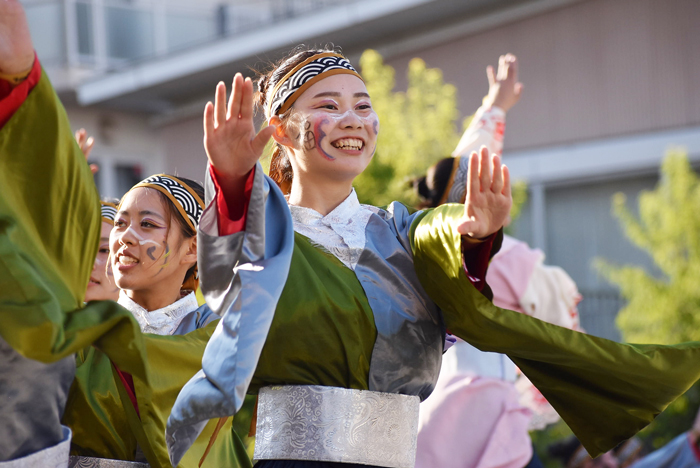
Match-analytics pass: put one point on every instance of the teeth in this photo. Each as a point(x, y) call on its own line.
point(349, 143)
point(124, 260)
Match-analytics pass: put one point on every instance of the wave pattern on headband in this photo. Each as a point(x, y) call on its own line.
point(108, 211)
point(183, 197)
point(303, 76)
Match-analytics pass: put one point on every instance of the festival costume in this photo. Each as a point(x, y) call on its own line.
point(481, 410)
point(679, 453)
point(117, 418)
point(50, 215)
point(50, 218)
point(298, 326)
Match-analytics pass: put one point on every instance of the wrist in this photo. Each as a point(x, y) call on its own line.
point(17, 73)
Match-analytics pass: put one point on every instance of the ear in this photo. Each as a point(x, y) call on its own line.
point(190, 256)
point(280, 134)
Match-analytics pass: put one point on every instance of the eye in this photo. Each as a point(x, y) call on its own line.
point(119, 223)
point(364, 106)
point(148, 224)
point(103, 250)
point(328, 106)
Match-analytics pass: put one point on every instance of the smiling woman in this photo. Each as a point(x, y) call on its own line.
point(334, 313)
point(152, 250)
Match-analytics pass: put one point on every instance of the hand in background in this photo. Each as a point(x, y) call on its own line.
point(489, 199)
point(504, 87)
point(86, 143)
point(16, 49)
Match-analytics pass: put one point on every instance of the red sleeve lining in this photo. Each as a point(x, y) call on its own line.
point(12, 98)
point(232, 208)
point(695, 446)
point(128, 382)
point(476, 261)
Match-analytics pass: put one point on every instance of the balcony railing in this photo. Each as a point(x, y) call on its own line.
point(108, 34)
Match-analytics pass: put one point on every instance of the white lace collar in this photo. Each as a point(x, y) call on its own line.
point(341, 232)
point(162, 321)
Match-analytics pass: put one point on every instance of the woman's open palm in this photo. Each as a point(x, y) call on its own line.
point(488, 201)
point(230, 140)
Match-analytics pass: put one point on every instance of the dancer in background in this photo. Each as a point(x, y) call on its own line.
point(323, 299)
point(102, 286)
point(476, 416)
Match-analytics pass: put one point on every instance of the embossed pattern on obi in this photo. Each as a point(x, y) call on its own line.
point(90, 462)
point(312, 422)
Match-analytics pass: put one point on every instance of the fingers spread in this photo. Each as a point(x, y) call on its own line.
point(506, 180)
point(208, 120)
point(490, 75)
point(473, 177)
point(234, 104)
point(220, 104)
point(484, 174)
point(497, 182)
point(247, 99)
point(261, 139)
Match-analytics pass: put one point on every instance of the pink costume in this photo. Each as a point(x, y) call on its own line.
point(480, 412)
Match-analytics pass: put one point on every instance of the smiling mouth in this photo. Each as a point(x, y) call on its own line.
point(354, 144)
point(126, 260)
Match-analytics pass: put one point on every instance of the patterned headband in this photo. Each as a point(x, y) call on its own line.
point(301, 77)
point(109, 212)
point(182, 196)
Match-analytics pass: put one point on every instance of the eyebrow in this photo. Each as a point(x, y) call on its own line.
point(336, 94)
point(142, 213)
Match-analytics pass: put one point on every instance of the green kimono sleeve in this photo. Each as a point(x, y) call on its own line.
point(49, 232)
point(106, 425)
point(605, 391)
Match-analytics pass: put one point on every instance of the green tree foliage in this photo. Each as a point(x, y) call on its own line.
point(417, 128)
point(664, 309)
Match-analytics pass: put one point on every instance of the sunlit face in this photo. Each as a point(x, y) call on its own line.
point(146, 247)
point(101, 286)
point(333, 128)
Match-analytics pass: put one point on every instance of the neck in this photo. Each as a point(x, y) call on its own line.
point(321, 196)
point(154, 299)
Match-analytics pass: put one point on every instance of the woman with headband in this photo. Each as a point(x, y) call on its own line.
point(335, 313)
point(101, 286)
point(153, 253)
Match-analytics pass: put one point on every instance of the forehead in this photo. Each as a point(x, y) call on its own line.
point(344, 84)
point(106, 229)
point(142, 199)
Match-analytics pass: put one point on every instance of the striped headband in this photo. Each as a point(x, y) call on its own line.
point(180, 194)
point(108, 211)
point(301, 77)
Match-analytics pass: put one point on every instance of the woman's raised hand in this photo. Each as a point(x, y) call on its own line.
point(504, 88)
point(16, 49)
point(86, 143)
point(488, 201)
point(230, 140)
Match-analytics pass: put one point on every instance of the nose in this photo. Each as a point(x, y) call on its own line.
point(127, 236)
point(351, 120)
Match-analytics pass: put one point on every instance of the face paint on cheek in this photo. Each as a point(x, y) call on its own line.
point(149, 252)
point(165, 258)
point(320, 135)
point(309, 137)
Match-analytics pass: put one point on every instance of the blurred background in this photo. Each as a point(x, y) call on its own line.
point(610, 85)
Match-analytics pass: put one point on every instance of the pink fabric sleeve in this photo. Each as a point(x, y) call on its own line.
point(11, 98)
point(232, 208)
